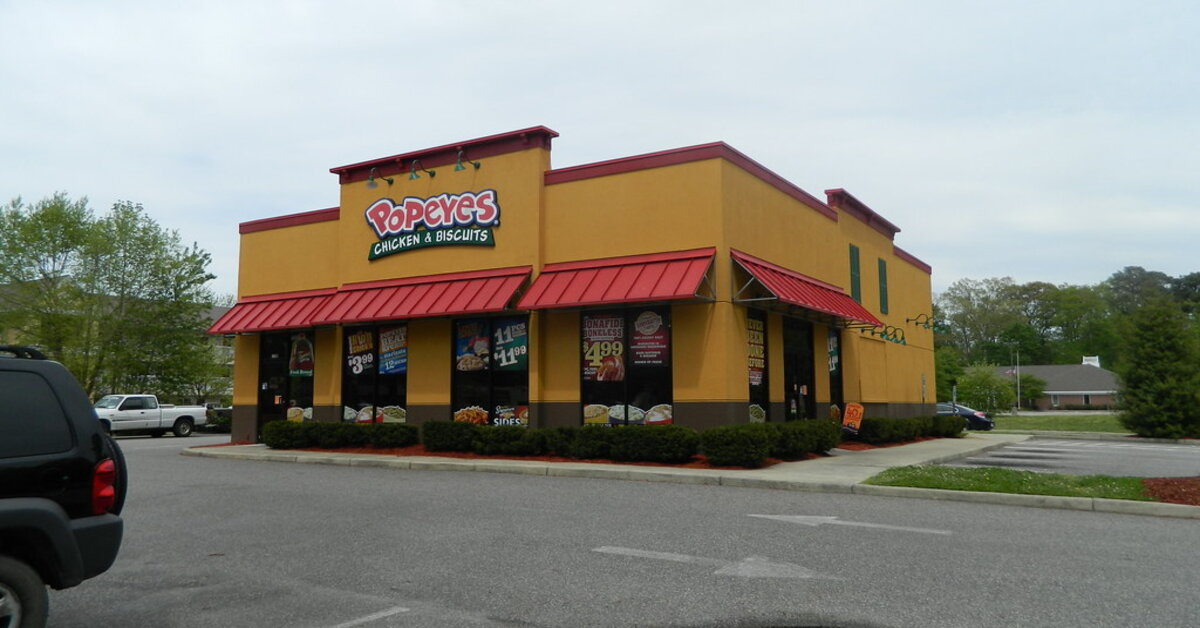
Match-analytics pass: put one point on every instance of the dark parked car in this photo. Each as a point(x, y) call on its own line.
point(62, 486)
point(975, 419)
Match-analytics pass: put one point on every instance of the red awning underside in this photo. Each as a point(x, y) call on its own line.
point(638, 278)
point(293, 310)
point(801, 291)
point(479, 292)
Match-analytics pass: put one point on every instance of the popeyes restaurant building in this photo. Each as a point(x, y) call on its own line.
point(475, 282)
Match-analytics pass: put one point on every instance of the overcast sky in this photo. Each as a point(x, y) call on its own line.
point(1043, 140)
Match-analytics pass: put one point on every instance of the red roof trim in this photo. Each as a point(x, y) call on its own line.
point(911, 259)
point(291, 220)
point(701, 152)
point(271, 312)
point(829, 300)
point(412, 281)
point(845, 201)
point(476, 149)
point(617, 280)
point(645, 258)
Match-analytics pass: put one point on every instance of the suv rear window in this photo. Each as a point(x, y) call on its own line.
point(31, 420)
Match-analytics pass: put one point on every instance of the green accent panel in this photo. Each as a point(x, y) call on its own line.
point(855, 275)
point(883, 295)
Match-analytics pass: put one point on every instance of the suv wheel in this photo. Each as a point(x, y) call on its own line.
point(23, 599)
point(183, 427)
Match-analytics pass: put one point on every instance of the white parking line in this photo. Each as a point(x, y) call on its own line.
point(395, 610)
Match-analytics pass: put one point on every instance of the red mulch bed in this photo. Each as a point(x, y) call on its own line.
point(1174, 490)
point(698, 462)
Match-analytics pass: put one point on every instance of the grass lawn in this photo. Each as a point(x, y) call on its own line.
point(1061, 422)
point(1009, 481)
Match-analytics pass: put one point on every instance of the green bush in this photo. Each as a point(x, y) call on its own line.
point(948, 426)
point(590, 442)
point(509, 440)
point(391, 435)
point(448, 436)
point(654, 443)
point(796, 439)
point(740, 445)
point(285, 435)
point(559, 439)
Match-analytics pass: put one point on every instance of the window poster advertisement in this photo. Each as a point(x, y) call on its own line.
point(511, 415)
point(393, 349)
point(300, 362)
point(756, 355)
point(472, 351)
point(834, 358)
point(649, 344)
point(510, 337)
point(604, 347)
point(360, 352)
point(757, 349)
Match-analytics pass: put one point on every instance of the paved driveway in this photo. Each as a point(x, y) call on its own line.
point(1087, 457)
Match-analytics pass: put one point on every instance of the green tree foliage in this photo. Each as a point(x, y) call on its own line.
point(116, 298)
point(982, 388)
point(1160, 378)
point(949, 369)
point(1031, 389)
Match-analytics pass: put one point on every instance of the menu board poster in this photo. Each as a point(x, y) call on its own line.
point(649, 342)
point(510, 343)
point(756, 349)
point(300, 361)
point(472, 351)
point(393, 349)
point(360, 351)
point(834, 353)
point(604, 347)
point(511, 415)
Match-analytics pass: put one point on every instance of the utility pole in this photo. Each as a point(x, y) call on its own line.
point(1018, 381)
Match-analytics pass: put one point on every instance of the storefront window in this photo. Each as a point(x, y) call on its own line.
point(375, 374)
point(756, 349)
point(491, 371)
point(626, 367)
point(286, 376)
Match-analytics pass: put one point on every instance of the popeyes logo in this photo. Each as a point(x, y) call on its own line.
point(445, 219)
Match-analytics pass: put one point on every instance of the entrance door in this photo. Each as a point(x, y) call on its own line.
point(272, 378)
point(834, 347)
point(799, 380)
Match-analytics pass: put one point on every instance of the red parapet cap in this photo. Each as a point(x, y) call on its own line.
point(474, 150)
point(845, 201)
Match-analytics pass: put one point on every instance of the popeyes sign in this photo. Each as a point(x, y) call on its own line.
point(442, 220)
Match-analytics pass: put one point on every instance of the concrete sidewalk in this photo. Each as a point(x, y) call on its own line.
point(842, 472)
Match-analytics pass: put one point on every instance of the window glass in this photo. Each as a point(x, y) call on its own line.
point(375, 374)
point(855, 275)
point(491, 371)
point(626, 366)
point(756, 352)
point(883, 288)
point(31, 420)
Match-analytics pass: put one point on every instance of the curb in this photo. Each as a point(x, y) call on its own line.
point(748, 479)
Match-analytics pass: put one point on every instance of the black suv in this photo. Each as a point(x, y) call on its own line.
point(62, 486)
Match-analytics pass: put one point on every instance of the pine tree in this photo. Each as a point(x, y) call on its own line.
point(1160, 378)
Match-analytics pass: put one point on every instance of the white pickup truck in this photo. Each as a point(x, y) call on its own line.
point(143, 413)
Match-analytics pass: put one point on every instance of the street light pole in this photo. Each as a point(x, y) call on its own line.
point(1018, 381)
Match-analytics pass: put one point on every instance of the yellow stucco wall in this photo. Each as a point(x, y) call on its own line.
point(707, 203)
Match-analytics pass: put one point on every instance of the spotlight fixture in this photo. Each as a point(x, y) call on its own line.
point(459, 165)
point(373, 175)
point(922, 320)
point(416, 165)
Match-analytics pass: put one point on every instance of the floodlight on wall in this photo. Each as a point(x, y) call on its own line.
point(373, 175)
point(922, 320)
point(416, 165)
point(459, 164)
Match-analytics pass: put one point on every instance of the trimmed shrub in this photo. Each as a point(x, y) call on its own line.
point(448, 436)
point(948, 426)
point(391, 435)
point(654, 443)
point(284, 435)
point(741, 445)
point(559, 440)
point(335, 435)
point(797, 439)
point(508, 440)
point(591, 441)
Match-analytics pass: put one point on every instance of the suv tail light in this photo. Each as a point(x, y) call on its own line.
point(104, 493)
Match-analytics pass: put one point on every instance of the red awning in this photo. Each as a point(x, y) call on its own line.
point(478, 292)
point(291, 310)
point(637, 278)
point(802, 291)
